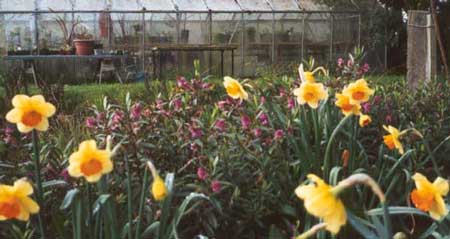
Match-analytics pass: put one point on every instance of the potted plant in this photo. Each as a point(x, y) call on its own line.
point(68, 34)
point(84, 42)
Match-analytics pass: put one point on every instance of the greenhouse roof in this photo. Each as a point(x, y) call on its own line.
point(163, 5)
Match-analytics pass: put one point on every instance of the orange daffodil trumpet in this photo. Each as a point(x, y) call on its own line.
point(392, 140)
point(428, 196)
point(234, 89)
point(15, 202)
point(30, 113)
point(322, 200)
point(159, 189)
point(364, 120)
point(90, 162)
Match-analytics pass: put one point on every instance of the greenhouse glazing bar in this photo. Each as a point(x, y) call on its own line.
point(273, 48)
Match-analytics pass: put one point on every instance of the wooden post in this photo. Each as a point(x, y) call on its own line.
point(421, 55)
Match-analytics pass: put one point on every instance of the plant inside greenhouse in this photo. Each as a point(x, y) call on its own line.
point(258, 119)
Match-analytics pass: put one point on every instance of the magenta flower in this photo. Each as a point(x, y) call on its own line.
point(177, 104)
point(135, 111)
point(365, 68)
point(195, 132)
point(201, 173)
point(257, 132)
point(101, 116)
point(222, 104)
point(91, 122)
point(245, 121)
point(366, 107)
point(377, 100)
point(340, 62)
point(279, 134)
point(282, 92)
point(263, 99)
point(216, 186)
point(264, 119)
point(290, 103)
point(349, 63)
point(182, 83)
point(159, 104)
point(388, 118)
point(194, 147)
point(65, 175)
point(220, 124)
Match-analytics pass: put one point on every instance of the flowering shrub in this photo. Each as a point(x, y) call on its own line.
point(271, 158)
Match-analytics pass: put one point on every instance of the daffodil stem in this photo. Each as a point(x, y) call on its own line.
point(327, 159)
point(37, 168)
point(129, 197)
point(141, 204)
point(312, 231)
point(315, 119)
point(89, 201)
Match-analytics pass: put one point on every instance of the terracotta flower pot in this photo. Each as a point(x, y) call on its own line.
point(84, 47)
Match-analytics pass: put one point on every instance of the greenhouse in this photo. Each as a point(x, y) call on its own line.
point(236, 37)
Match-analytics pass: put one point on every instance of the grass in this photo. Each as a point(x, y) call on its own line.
point(77, 97)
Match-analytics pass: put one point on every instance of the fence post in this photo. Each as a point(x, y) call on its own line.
point(421, 53)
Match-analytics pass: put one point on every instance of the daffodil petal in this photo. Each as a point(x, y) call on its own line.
point(43, 125)
point(20, 100)
point(14, 116)
point(22, 188)
point(23, 128)
point(441, 186)
point(29, 205)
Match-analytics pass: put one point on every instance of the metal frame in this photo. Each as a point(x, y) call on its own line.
point(305, 15)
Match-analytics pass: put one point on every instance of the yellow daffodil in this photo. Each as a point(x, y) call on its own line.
point(311, 94)
point(90, 162)
point(234, 88)
point(309, 77)
point(159, 189)
point(392, 140)
point(320, 201)
point(428, 196)
point(343, 102)
point(359, 92)
point(30, 113)
point(364, 120)
point(15, 202)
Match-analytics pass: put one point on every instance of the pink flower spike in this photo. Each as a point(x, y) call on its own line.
point(216, 186)
point(201, 173)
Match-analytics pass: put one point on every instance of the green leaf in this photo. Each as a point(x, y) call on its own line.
point(100, 202)
point(151, 230)
point(361, 226)
point(69, 198)
point(53, 183)
point(396, 211)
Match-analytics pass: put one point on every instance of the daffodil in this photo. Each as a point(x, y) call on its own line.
point(30, 113)
point(308, 76)
point(234, 88)
point(311, 94)
point(90, 162)
point(428, 196)
point(15, 202)
point(321, 201)
point(343, 102)
point(358, 92)
point(392, 140)
point(159, 189)
point(364, 120)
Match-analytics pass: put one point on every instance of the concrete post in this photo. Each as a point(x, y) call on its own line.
point(421, 54)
